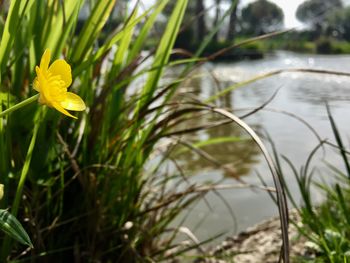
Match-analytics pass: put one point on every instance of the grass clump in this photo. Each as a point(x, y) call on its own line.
point(94, 189)
point(325, 225)
point(82, 188)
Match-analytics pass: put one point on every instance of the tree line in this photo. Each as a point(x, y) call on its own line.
point(323, 19)
point(320, 17)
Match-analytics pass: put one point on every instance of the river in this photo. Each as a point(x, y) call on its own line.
point(302, 94)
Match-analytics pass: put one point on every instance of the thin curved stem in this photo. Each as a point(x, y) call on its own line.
point(19, 105)
point(281, 198)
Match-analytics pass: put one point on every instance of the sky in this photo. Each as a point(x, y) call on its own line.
point(289, 8)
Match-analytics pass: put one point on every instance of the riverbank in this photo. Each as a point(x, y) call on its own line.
point(261, 243)
point(258, 49)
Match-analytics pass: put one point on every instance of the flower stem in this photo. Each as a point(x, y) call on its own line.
point(19, 105)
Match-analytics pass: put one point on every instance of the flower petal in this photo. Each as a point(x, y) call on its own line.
point(36, 84)
point(61, 68)
point(62, 110)
point(73, 102)
point(45, 60)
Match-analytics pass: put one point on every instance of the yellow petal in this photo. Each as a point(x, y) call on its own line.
point(45, 60)
point(1, 191)
point(36, 84)
point(61, 68)
point(62, 110)
point(73, 102)
point(45, 97)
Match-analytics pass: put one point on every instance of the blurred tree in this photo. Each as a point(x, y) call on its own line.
point(201, 28)
point(315, 12)
point(232, 22)
point(216, 18)
point(232, 19)
point(261, 17)
point(339, 23)
point(193, 28)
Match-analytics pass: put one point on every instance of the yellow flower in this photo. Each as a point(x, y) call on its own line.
point(1, 191)
point(52, 83)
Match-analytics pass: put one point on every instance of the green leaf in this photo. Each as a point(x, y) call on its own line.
point(12, 227)
point(18, 10)
point(112, 40)
point(92, 28)
point(164, 49)
point(123, 47)
point(65, 17)
point(140, 40)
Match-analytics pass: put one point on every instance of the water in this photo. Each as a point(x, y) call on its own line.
point(302, 94)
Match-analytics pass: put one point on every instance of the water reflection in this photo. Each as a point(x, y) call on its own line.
point(318, 89)
point(302, 94)
point(236, 157)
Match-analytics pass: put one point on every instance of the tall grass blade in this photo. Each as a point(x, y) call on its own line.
point(139, 42)
point(217, 27)
point(122, 51)
point(17, 12)
point(162, 55)
point(281, 198)
point(342, 203)
point(91, 29)
point(64, 20)
point(338, 140)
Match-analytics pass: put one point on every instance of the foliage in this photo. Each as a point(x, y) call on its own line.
point(94, 189)
point(338, 23)
point(231, 30)
point(315, 12)
point(323, 46)
point(261, 17)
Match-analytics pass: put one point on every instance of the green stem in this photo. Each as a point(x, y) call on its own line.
point(19, 105)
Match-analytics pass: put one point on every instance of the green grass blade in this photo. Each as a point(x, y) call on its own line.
point(64, 19)
point(339, 140)
point(164, 49)
point(123, 47)
point(17, 11)
point(217, 27)
point(139, 42)
point(91, 29)
point(109, 43)
point(342, 203)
